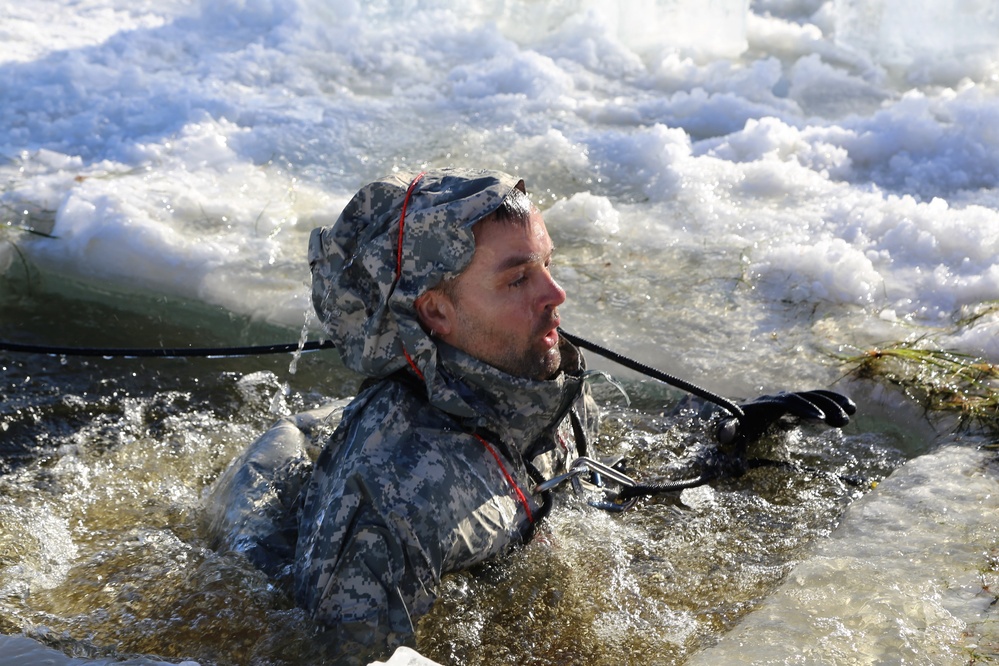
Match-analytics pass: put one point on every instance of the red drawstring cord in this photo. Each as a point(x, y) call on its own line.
point(509, 477)
point(412, 364)
point(402, 223)
point(398, 260)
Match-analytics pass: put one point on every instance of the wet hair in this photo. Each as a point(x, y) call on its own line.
point(516, 207)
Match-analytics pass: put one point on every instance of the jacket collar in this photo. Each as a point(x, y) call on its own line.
point(518, 410)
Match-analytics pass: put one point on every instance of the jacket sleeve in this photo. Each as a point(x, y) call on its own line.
point(249, 509)
point(364, 567)
point(365, 593)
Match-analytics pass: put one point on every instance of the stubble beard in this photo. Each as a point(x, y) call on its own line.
point(528, 362)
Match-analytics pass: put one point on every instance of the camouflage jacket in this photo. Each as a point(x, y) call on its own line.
point(408, 489)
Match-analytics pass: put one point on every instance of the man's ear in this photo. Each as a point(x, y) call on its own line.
point(436, 312)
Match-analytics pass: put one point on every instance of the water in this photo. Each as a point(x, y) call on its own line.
point(737, 206)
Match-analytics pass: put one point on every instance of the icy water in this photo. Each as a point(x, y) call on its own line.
point(739, 195)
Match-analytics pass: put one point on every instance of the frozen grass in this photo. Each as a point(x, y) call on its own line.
point(941, 381)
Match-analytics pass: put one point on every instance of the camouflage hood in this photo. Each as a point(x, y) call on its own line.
point(396, 238)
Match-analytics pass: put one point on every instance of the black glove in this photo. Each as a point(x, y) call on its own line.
point(829, 407)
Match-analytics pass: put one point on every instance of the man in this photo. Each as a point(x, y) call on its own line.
point(437, 288)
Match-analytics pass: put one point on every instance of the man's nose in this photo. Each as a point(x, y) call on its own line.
point(554, 293)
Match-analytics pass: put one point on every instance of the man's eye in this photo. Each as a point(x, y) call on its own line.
point(519, 281)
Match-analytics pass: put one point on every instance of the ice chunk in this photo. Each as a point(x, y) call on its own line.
point(901, 32)
point(405, 656)
point(706, 27)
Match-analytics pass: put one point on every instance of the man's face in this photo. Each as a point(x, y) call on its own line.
point(505, 303)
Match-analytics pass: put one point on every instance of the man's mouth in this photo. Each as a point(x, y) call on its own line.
point(551, 334)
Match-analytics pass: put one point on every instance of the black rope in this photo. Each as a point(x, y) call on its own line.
point(655, 373)
point(256, 350)
point(166, 352)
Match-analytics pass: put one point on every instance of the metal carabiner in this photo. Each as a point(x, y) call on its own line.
point(601, 471)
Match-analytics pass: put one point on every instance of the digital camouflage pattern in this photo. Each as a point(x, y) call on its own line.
point(404, 493)
point(421, 476)
point(252, 505)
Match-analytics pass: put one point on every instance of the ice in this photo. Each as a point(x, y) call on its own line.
point(897, 582)
point(704, 27)
point(200, 173)
point(900, 32)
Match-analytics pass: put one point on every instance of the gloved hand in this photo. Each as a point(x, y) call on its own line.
point(759, 414)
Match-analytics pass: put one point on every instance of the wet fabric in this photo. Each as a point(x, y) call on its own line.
point(253, 508)
point(404, 492)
